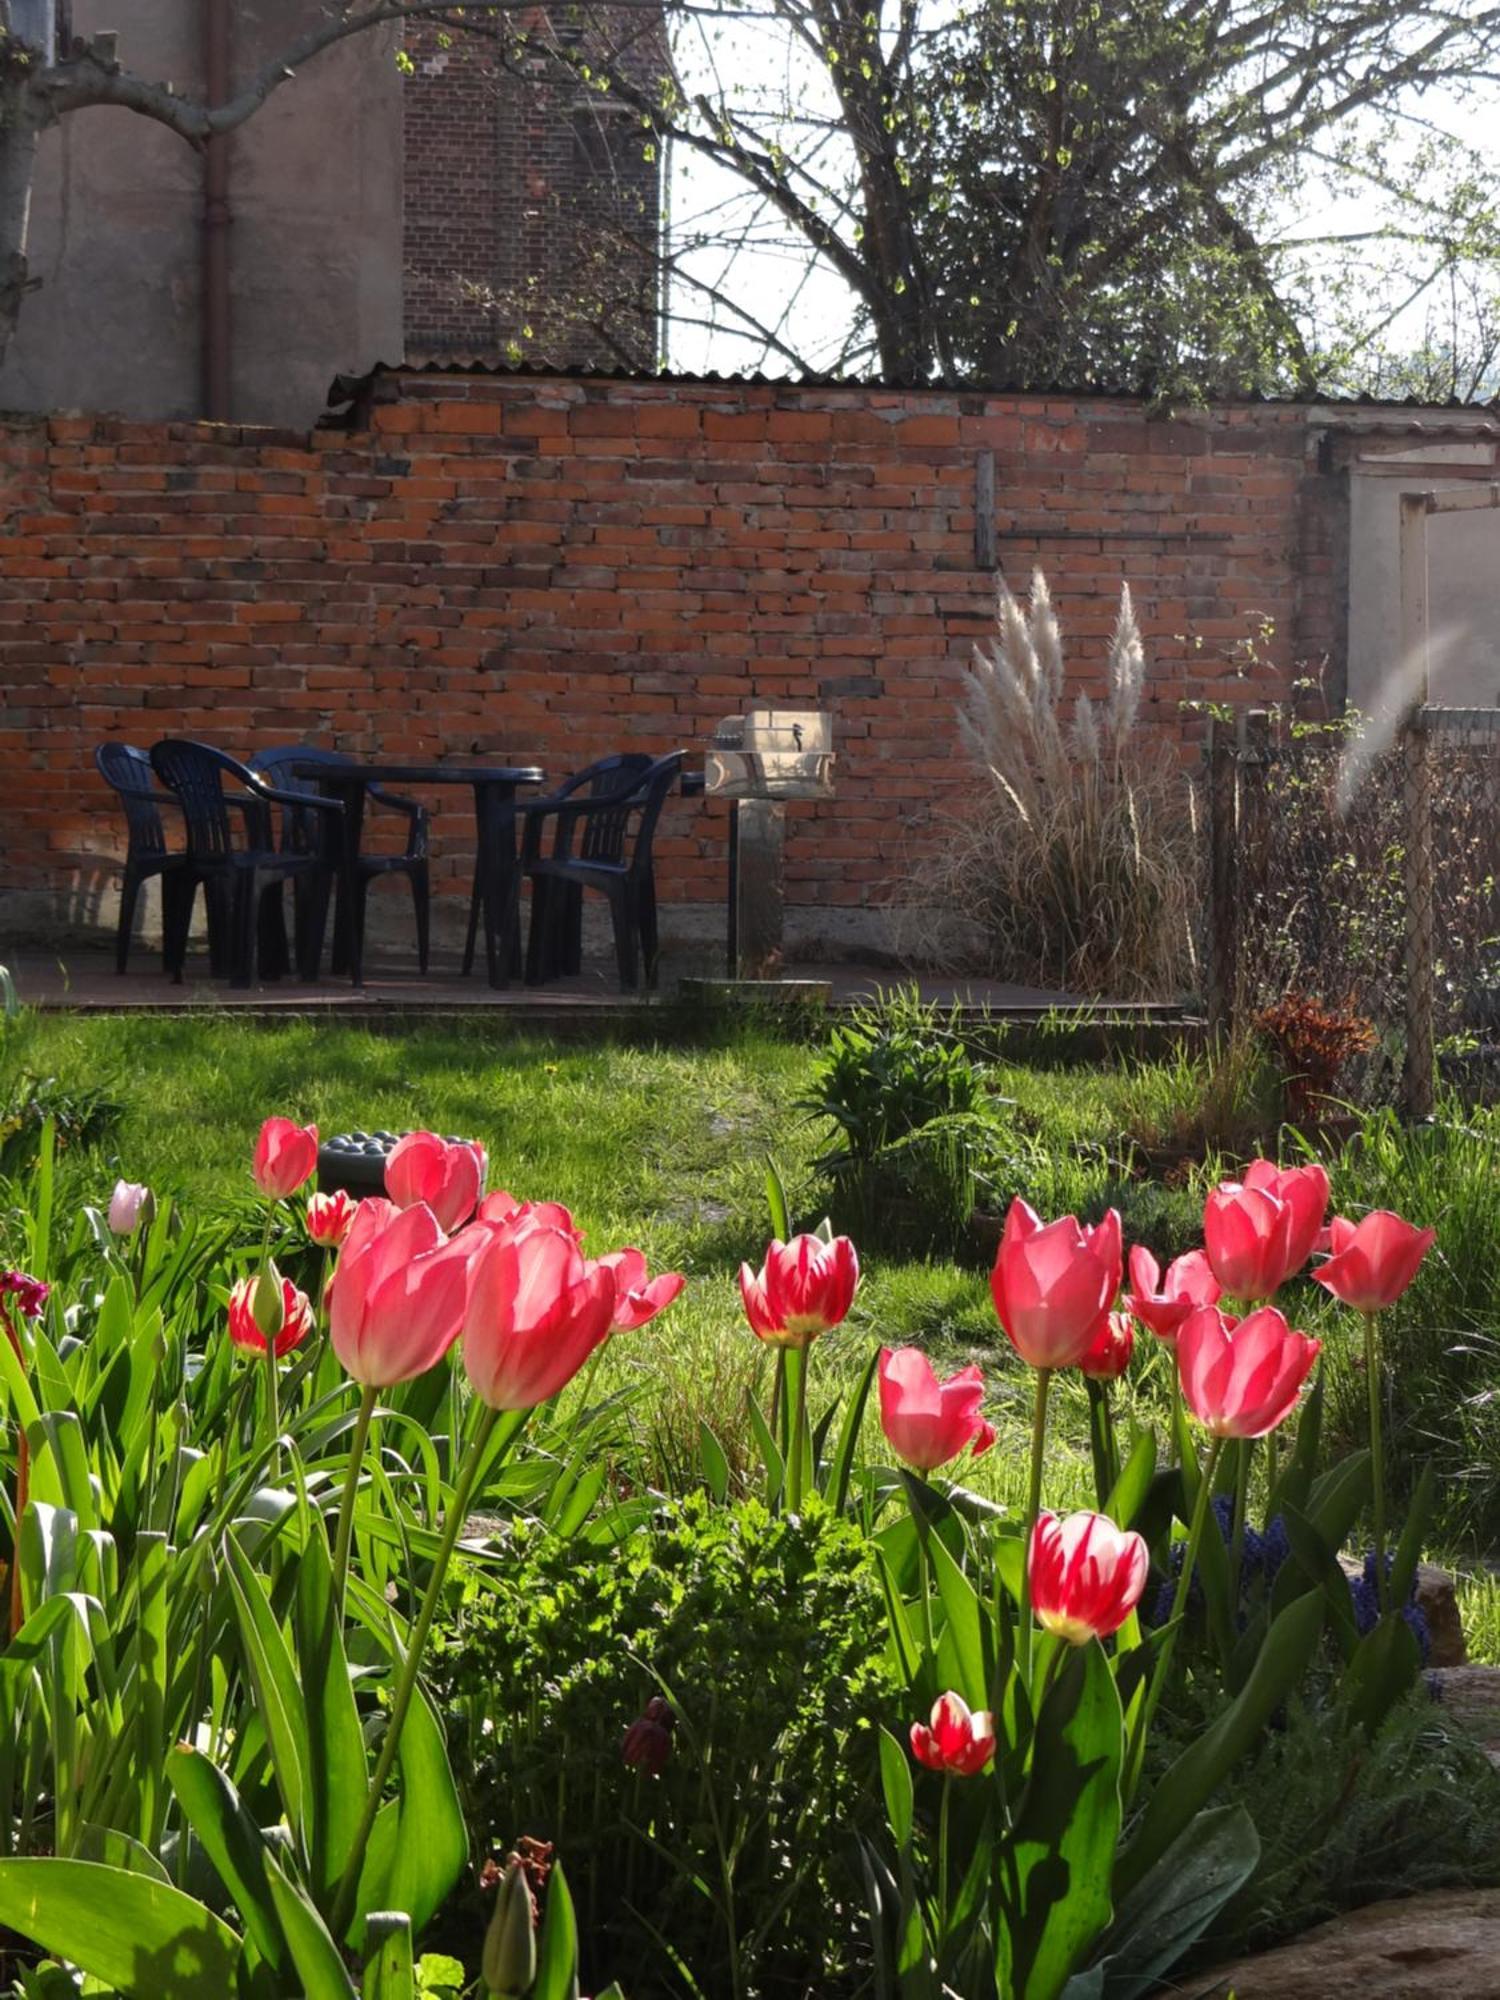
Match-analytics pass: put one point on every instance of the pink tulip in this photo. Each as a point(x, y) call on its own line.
point(1304, 1190)
point(959, 1741)
point(1241, 1379)
point(449, 1178)
point(1373, 1261)
point(329, 1217)
point(397, 1296)
point(803, 1288)
point(286, 1155)
point(1109, 1357)
point(927, 1422)
point(1086, 1575)
point(1163, 1303)
point(1247, 1234)
point(129, 1202)
point(1053, 1284)
point(638, 1298)
point(244, 1328)
point(536, 1313)
point(501, 1207)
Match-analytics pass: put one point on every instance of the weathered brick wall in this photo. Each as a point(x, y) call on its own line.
point(533, 206)
point(507, 566)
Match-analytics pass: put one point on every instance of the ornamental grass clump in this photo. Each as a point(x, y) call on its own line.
point(1073, 864)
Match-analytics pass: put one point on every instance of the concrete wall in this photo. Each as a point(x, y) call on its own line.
point(1463, 569)
point(315, 241)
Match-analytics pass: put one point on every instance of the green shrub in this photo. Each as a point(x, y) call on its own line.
point(767, 1637)
point(911, 1111)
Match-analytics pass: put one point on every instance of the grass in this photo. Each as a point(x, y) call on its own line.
point(666, 1147)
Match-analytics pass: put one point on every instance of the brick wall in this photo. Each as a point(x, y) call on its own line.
point(509, 565)
point(533, 205)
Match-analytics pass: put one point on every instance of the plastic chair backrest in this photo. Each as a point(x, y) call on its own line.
point(128, 772)
point(301, 832)
point(196, 772)
point(604, 834)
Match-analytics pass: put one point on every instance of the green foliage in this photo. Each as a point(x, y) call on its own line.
point(898, 1084)
point(1345, 1821)
point(766, 1636)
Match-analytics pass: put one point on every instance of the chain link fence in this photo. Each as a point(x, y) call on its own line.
point(1366, 877)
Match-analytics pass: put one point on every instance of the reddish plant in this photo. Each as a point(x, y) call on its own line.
point(1313, 1045)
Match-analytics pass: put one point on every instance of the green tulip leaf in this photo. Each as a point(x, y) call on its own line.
point(1128, 1494)
point(840, 1467)
point(1201, 1769)
point(557, 1946)
point(1159, 1922)
point(278, 1693)
point(337, 1771)
point(233, 1843)
point(896, 1783)
point(431, 1842)
point(144, 1938)
point(1055, 1893)
point(715, 1464)
point(390, 1969)
point(1385, 1666)
point(321, 1973)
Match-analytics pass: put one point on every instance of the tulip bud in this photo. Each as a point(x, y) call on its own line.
point(130, 1204)
point(266, 1307)
point(508, 1964)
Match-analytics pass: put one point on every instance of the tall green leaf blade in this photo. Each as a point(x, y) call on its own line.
point(432, 1840)
point(390, 1970)
point(321, 1974)
point(233, 1843)
point(337, 1770)
point(896, 1783)
point(964, 1624)
point(715, 1464)
point(144, 1938)
point(277, 1693)
point(1210, 1861)
point(842, 1464)
point(557, 1947)
point(1057, 1894)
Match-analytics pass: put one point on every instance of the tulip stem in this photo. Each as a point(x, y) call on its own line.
point(1179, 1603)
point(796, 1472)
point(1237, 1534)
point(263, 1276)
point(367, 1401)
point(458, 1508)
point(1102, 1442)
point(1377, 1455)
point(1033, 1508)
point(942, 1910)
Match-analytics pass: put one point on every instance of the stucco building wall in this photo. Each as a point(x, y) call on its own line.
point(316, 255)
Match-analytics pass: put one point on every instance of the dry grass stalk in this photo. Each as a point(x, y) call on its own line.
point(1074, 865)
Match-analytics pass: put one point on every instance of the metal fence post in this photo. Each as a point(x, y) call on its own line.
point(1419, 1067)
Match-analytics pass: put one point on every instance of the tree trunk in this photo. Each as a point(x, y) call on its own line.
point(20, 124)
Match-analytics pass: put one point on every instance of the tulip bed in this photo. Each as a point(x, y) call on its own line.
point(383, 1622)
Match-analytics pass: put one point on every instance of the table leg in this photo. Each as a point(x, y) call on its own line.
point(349, 915)
point(495, 869)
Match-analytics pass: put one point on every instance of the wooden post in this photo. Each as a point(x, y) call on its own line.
point(1418, 1068)
point(1223, 929)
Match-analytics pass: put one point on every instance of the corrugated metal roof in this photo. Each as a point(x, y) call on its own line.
point(351, 389)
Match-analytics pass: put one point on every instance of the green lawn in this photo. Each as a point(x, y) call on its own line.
point(666, 1147)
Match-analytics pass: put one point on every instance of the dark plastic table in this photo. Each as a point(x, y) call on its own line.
point(494, 787)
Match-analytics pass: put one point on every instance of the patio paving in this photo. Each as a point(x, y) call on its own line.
point(83, 979)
